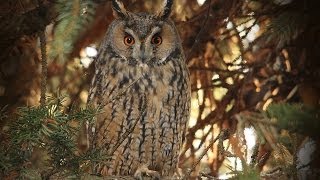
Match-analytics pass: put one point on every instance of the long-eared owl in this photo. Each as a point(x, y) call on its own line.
point(141, 84)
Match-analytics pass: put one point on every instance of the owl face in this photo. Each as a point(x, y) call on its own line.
point(143, 39)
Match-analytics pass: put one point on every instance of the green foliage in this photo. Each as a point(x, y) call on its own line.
point(286, 26)
point(73, 17)
point(250, 174)
point(42, 142)
point(296, 118)
point(286, 141)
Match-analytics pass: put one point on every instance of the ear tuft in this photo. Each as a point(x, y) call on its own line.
point(118, 9)
point(166, 10)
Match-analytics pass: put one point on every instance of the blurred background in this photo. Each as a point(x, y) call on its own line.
point(254, 68)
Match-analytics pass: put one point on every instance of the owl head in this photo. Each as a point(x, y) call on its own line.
point(141, 38)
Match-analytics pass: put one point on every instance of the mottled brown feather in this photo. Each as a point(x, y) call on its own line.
point(144, 94)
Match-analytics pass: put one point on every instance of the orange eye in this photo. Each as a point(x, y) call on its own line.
point(157, 40)
point(128, 40)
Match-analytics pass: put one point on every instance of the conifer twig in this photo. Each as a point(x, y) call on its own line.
point(44, 70)
point(44, 67)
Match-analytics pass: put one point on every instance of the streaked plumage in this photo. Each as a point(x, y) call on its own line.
point(143, 90)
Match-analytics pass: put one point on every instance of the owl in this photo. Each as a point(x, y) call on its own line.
point(141, 85)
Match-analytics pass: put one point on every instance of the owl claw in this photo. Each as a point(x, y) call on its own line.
point(144, 170)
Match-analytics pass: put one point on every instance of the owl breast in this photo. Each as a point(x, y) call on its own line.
point(144, 114)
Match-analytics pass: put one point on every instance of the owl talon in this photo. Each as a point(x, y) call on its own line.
point(144, 170)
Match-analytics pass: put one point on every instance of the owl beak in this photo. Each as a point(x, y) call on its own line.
point(143, 59)
point(143, 56)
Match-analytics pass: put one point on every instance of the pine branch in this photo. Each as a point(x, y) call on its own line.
point(48, 130)
point(44, 67)
point(286, 26)
point(72, 20)
point(296, 118)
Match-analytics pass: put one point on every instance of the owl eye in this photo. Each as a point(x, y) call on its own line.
point(156, 40)
point(128, 40)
